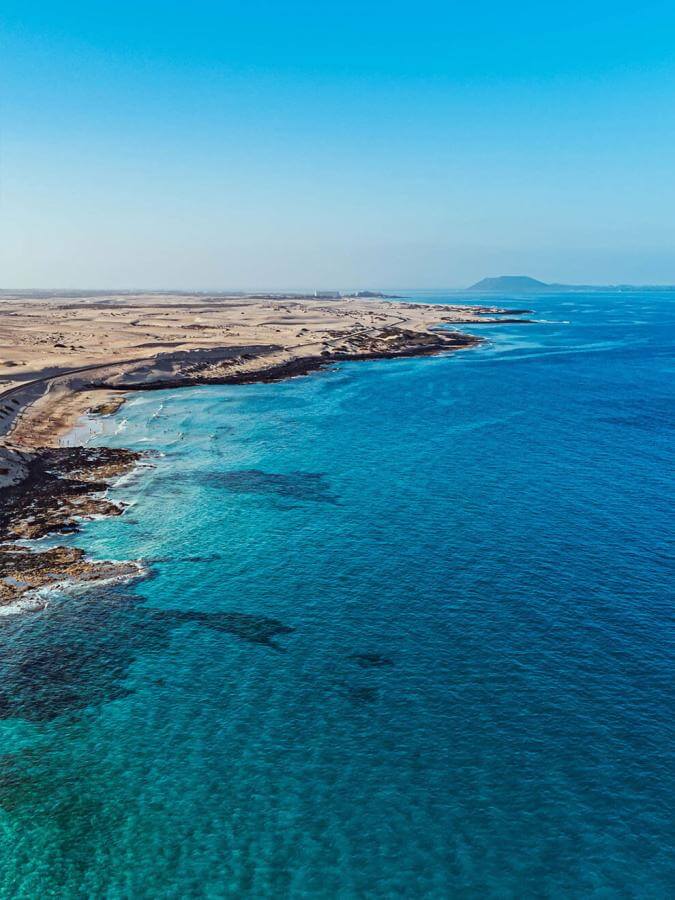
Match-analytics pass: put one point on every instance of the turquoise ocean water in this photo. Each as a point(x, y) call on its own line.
point(408, 633)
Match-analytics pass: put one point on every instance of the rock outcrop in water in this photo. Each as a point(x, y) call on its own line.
point(59, 488)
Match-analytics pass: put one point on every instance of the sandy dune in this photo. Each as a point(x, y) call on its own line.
point(58, 353)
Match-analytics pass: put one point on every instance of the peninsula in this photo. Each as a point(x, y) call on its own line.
point(63, 355)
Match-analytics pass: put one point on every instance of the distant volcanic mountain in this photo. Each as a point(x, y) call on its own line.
point(522, 284)
point(510, 283)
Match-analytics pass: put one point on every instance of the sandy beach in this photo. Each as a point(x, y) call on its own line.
point(60, 356)
point(63, 356)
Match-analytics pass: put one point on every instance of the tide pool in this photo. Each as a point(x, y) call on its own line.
point(408, 633)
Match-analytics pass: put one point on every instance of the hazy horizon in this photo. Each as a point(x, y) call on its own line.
point(306, 289)
point(275, 146)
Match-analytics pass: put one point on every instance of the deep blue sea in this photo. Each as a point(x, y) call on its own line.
point(408, 633)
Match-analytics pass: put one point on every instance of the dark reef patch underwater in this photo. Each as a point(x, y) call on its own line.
point(303, 486)
point(409, 634)
point(79, 651)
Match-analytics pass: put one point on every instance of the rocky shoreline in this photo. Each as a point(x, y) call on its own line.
point(62, 486)
point(195, 368)
point(56, 488)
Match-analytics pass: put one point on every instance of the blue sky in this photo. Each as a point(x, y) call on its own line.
point(258, 144)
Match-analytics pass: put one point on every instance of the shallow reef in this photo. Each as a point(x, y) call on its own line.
point(78, 653)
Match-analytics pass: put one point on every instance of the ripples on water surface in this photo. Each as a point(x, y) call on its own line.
point(408, 634)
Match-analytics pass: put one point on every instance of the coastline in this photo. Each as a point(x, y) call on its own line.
point(47, 488)
point(42, 417)
point(61, 488)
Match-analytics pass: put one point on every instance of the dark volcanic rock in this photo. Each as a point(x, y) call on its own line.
point(57, 491)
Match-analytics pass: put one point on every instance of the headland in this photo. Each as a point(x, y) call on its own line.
point(63, 355)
